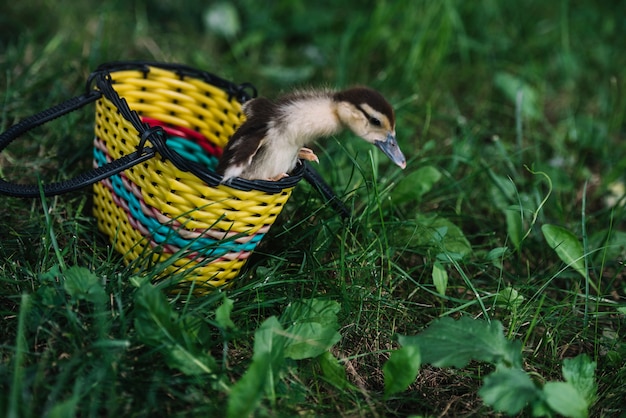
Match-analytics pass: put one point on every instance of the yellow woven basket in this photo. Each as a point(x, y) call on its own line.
point(172, 207)
point(159, 131)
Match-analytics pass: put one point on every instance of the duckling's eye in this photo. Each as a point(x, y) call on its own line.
point(374, 121)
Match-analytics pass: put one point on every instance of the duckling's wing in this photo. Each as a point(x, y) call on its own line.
point(257, 106)
point(247, 140)
point(240, 150)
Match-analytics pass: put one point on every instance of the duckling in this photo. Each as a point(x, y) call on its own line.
point(269, 144)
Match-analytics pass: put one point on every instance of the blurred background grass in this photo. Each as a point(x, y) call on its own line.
point(447, 66)
point(481, 90)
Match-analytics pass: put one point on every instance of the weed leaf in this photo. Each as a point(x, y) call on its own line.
point(580, 373)
point(401, 369)
point(415, 185)
point(222, 313)
point(155, 320)
point(509, 298)
point(448, 342)
point(65, 408)
point(82, 283)
point(518, 90)
point(442, 234)
point(159, 326)
point(249, 390)
point(264, 372)
point(270, 339)
point(312, 327)
point(502, 191)
point(509, 390)
point(496, 256)
point(514, 225)
point(332, 370)
point(503, 195)
point(566, 246)
point(190, 362)
point(222, 19)
point(440, 278)
point(565, 399)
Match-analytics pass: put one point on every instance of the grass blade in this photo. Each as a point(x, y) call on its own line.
point(15, 399)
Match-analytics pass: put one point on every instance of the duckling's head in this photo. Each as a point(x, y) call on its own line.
point(370, 116)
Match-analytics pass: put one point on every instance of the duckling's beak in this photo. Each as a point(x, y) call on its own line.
point(391, 149)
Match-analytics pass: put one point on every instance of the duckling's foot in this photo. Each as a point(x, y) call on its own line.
point(278, 177)
point(307, 154)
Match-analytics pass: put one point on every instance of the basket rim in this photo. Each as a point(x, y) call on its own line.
point(101, 77)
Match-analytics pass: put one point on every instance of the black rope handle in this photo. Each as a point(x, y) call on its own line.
point(46, 116)
point(82, 180)
point(314, 179)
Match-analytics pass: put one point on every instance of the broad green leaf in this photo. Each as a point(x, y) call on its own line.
point(222, 313)
point(51, 275)
point(540, 408)
point(155, 321)
point(514, 205)
point(159, 326)
point(502, 191)
point(264, 372)
point(189, 360)
point(270, 338)
point(82, 283)
point(139, 281)
point(565, 399)
point(401, 369)
point(49, 294)
point(222, 19)
point(497, 253)
point(566, 246)
point(514, 226)
point(520, 93)
point(580, 373)
point(66, 408)
point(415, 185)
point(509, 298)
point(332, 370)
point(509, 390)
point(448, 342)
point(442, 234)
point(440, 278)
point(496, 256)
point(612, 243)
point(246, 394)
point(431, 232)
point(312, 327)
point(622, 310)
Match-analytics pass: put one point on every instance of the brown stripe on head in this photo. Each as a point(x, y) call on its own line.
point(359, 96)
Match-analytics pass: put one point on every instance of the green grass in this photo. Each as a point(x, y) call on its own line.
point(511, 117)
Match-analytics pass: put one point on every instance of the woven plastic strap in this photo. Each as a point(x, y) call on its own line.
point(83, 180)
point(80, 181)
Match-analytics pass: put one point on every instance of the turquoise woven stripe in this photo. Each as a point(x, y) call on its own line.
point(192, 151)
point(166, 234)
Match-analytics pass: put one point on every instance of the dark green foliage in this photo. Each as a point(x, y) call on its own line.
point(511, 211)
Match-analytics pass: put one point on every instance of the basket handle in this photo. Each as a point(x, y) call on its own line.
point(317, 181)
point(80, 181)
